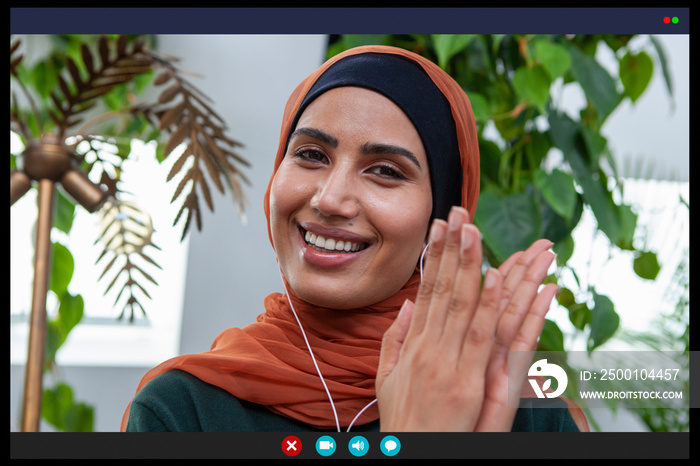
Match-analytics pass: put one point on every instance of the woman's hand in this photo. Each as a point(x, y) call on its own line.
point(443, 365)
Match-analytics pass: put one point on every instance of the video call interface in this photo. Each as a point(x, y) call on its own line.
point(333, 22)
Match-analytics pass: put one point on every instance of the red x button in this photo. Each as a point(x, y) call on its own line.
point(291, 446)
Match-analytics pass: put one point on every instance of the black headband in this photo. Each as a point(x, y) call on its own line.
point(406, 84)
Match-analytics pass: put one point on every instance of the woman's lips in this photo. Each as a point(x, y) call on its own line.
point(330, 247)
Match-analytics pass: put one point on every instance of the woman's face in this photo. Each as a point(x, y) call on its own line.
point(351, 201)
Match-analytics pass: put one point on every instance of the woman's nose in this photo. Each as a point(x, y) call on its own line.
point(336, 195)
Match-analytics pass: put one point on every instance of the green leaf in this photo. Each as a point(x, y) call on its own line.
point(597, 84)
point(480, 106)
point(532, 84)
point(555, 227)
point(604, 321)
point(537, 148)
point(70, 312)
point(646, 265)
point(490, 156)
point(448, 45)
point(628, 224)
point(636, 71)
point(552, 338)
point(79, 418)
point(510, 224)
point(555, 58)
point(62, 267)
point(59, 409)
point(617, 222)
point(55, 402)
point(558, 190)
point(564, 249)
point(44, 77)
point(54, 339)
point(64, 213)
point(579, 314)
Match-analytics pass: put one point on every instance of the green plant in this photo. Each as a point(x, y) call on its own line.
point(541, 167)
point(83, 93)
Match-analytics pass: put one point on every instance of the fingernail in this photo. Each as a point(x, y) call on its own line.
point(453, 219)
point(437, 231)
point(467, 237)
point(490, 279)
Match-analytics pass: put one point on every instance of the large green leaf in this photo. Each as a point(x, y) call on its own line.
point(604, 321)
point(636, 71)
point(63, 412)
point(480, 106)
point(448, 45)
point(552, 338)
point(597, 84)
point(616, 221)
point(64, 213)
point(70, 312)
point(646, 265)
point(62, 266)
point(555, 58)
point(558, 190)
point(510, 224)
point(532, 84)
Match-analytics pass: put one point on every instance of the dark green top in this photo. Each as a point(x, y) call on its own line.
point(176, 401)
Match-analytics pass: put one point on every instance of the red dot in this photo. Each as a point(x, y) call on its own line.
point(667, 20)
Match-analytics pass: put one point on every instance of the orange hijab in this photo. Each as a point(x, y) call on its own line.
point(267, 362)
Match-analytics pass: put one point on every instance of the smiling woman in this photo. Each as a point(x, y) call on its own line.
point(351, 182)
point(377, 163)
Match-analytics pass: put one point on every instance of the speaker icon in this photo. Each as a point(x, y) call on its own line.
point(358, 445)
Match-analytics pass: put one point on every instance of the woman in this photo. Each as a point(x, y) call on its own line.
point(383, 323)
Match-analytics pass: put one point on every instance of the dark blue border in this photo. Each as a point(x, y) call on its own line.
point(347, 20)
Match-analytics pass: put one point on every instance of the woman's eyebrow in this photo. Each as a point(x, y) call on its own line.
point(379, 148)
point(367, 148)
point(316, 134)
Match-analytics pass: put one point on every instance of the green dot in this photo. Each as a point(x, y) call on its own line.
point(675, 20)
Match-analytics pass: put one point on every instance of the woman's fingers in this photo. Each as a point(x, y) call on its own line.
point(526, 336)
point(523, 295)
point(392, 342)
point(436, 240)
point(515, 267)
point(466, 293)
point(456, 287)
point(480, 333)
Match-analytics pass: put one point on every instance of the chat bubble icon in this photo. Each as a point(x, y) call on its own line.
point(390, 445)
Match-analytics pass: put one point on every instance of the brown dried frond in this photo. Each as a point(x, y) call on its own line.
point(15, 60)
point(119, 62)
point(192, 124)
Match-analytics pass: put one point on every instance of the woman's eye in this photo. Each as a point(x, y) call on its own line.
point(387, 172)
point(311, 155)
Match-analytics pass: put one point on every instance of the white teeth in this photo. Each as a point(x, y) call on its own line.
point(320, 242)
point(330, 243)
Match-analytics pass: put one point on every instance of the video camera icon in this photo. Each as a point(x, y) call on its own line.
point(358, 445)
point(325, 445)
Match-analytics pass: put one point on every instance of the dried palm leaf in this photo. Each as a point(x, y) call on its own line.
point(126, 230)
